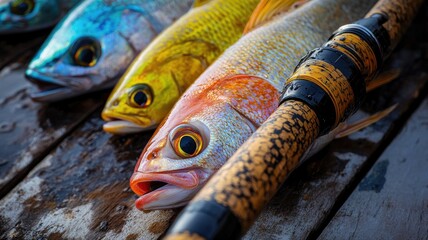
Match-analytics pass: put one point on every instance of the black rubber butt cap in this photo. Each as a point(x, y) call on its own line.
point(208, 219)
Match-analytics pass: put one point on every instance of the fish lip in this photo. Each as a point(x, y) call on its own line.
point(122, 127)
point(36, 77)
point(118, 123)
point(187, 181)
point(50, 89)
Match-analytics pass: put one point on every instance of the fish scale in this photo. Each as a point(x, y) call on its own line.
point(171, 63)
point(116, 30)
point(189, 29)
point(240, 90)
point(261, 53)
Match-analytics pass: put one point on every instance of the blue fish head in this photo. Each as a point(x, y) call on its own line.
point(89, 50)
point(26, 15)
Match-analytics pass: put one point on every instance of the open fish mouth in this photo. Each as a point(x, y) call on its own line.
point(166, 189)
point(50, 88)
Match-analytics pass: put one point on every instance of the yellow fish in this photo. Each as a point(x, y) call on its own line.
point(172, 62)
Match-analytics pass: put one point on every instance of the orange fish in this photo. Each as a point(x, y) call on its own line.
point(229, 101)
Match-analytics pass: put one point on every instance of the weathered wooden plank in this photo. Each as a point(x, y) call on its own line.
point(391, 202)
point(29, 130)
point(307, 198)
point(81, 191)
point(15, 45)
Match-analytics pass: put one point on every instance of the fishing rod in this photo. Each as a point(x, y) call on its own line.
point(327, 87)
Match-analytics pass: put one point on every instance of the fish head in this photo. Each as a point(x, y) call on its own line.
point(186, 150)
point(148, 91)
point(87, 51)
point(25, 15)
point(139, 103)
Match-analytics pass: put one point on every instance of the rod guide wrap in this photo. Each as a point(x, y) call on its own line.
point(315, 97)
point(371, 31)
point(353, 54)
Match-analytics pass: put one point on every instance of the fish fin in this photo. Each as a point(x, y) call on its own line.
point(198, 3)
point(266, 10)
point(383, 78)
point(365, 122)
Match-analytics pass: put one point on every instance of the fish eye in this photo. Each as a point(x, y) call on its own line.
point(21, 7)
point(140, 96)
point(186, 141)
point(85, 52)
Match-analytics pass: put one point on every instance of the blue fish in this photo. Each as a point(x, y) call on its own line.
point(92, 47)
point(28, 15)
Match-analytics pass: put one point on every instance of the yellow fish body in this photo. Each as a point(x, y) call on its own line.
point(172, 62)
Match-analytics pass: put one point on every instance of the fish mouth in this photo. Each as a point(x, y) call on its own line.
point(50, 88)
point(11, 29)
point(117, 123)
point(167, 189)
point(18, 27)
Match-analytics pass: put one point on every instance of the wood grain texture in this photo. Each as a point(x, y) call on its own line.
point(391, 202)
point(81, 190)
point(29, 130)
point(302, 205)
point(17, 46)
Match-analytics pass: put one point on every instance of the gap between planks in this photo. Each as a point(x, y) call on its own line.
point(391, 201)
point(373, 158)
